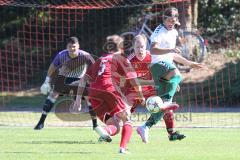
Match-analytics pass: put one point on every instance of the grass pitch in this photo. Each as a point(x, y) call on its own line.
point(18, 143)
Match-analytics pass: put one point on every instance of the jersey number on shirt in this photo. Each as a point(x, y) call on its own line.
point(102, 67)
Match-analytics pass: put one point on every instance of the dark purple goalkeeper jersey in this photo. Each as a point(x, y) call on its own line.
point(72, 67)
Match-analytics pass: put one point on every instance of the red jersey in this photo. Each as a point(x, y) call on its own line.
point(104, 93)
point(143, 72)
point(141, 67)
point(107, 70)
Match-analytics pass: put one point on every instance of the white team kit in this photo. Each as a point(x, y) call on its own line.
point(166, 39)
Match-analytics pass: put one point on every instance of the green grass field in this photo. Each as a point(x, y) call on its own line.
point(72, 143)
point(81, 143)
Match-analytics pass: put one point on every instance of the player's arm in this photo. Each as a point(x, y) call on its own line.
point(145, 82)
point(51, 70)
point(46, 86)
point(180, 59)
point(81, 87)
point(134, 81)
point(89, 75)
point(155, 49)
point(131, 75)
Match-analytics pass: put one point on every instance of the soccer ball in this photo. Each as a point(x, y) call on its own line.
point(154, 104)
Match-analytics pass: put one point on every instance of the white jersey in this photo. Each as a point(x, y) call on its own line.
point(167, 40)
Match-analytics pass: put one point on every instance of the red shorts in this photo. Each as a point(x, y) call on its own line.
point(132, 96)
point(105, 103)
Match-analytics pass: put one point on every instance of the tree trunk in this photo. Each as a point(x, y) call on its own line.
point(194, 6)
point(188, 23)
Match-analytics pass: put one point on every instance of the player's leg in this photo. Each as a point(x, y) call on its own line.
point(126, 130)
point(49, 102)
point(167, 89)
point(112, 125)
point(59, 87)
point(98, 129)
point(158, 70)
point(171, 87)
point(111, 129)
point(102, 132)
point(99, 108)
point(169, 121)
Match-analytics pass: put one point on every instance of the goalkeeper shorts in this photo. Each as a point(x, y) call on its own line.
point(62, 85)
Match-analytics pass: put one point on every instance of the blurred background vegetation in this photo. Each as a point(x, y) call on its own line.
point(218, 21)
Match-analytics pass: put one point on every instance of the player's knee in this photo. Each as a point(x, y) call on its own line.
point(177, 78)
point(48, 105)
point(116, 123)
point(124, 115)
point(118, 129)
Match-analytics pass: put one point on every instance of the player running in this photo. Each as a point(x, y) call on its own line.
point(104, 93)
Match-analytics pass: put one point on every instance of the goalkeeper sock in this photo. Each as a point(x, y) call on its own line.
point(42, 119)
point(169, 121)
point(154, 119)
point(46, 109)
point(93, 117)
point(126, 134)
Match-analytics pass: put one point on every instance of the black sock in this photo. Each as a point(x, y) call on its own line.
point(46, 109)
point(42, 119)
point(93, 117)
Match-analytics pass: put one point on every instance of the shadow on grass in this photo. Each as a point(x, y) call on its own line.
point(60, 142)
point(48, 152)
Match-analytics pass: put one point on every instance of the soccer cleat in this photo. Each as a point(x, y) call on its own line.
point(105, 139)
point(143, 132)
point(123, 151)
point(39, 126)
point(169, 106)
point(104, 136)
point(176, 136)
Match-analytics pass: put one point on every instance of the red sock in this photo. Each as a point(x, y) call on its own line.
point(169, 121)
point(111, 129)
point(126, 134)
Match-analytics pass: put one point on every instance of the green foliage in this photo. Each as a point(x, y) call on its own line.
point(219, 19)
point(233, 53)
point(219, 15)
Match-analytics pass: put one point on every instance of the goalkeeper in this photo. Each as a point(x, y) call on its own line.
point(70, 64)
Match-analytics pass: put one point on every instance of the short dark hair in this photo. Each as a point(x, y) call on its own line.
point(168, 12)
point(113, 43)
point(72, 40)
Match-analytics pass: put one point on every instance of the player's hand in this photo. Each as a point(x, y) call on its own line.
point(177, 50)
point(45, 88)
point(196, 65)
point(142, 100)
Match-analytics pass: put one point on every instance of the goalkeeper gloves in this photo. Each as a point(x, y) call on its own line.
point(45, 88)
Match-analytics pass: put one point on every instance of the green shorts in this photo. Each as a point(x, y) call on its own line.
point(159, 70)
